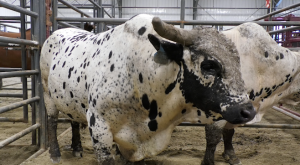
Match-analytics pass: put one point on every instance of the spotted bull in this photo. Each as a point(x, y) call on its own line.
point(271, 75)
point(133, 84)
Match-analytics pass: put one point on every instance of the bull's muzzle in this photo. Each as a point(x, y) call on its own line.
point(239, 114)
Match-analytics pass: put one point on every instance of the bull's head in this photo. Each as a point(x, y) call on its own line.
point(210, 78)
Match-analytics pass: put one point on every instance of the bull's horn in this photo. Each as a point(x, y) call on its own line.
point(172, 33)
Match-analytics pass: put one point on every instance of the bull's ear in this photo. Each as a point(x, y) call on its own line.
point(166, 51)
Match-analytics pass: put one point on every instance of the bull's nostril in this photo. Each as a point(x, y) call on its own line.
point(245, 113)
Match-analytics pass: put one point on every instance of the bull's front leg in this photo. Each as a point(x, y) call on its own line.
point(76, 142)
point(102, 138)
point(213, 137)
point(229, 154)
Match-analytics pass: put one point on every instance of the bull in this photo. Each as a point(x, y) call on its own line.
point(134, 83)
point(271, 75)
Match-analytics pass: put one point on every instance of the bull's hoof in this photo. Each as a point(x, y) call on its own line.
point(55, 160)
point(232, 159)
point(77, 153)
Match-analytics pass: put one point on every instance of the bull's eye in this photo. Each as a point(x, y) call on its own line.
point(211, 67)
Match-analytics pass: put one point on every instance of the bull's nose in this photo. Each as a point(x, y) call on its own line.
point(239, 114)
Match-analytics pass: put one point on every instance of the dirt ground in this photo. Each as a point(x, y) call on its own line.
point(253, 146)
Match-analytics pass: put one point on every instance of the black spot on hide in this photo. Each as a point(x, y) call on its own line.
point(71, 94)
point(142, 30)
point(266, 54)
point(183, 111)
point(170, 87)
point(141, 78)
point(112, 67)
point(70, 71)
point(153, 110)
point(82, 105)
point(54, 66)
point(63, 64)
point(145, 101)
point(110, 54)
point(92, 120)
point(70, 116)
point(281, 56)
point(199, 112)
point(152, 125)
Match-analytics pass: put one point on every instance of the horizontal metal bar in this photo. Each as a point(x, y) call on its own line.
point(10, 119)
point(286, 113)
point(39, 152)
point(18, 41)
point(285, 29)
point(186, 22)
point(67, 25)
point(9, 45)
point(74, 8)
point(294, 49)
point(11, 95)
point(14, 89)
point(10, 26)
point(18, 9)
point(64, 120)
point(10, 17)
point(19, 135)
point(3, 69)
point(278, 11)
point(18, 104)
point(18, 73)
point(282, 126)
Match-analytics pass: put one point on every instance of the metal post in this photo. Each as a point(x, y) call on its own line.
point(113, 8)
point(24, 64)
point(99, 15)
point(40, 34)
point(195, 11)
point(81, 23)
point(120, 8)
point(54, 15)
point(182, 13)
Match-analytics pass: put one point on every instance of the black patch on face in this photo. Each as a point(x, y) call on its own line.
point(54, 66)
point(170, 87)
point(82, 105)
point(183, 111)
point(70, 71)
point(142, 30)
point(281, 56)
point(152, 125)
point(112, 67)
point(63, 64)
point(141, 78)
point(199, 95)
point(198, 112)
point(266, 54)
point(153, 110)
point(110, 54)
point(78, 79)
point(145, 101)
point(92, 120)
point(70, 116)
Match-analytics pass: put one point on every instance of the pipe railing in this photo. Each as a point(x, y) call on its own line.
point(18, 104)
point(10, 17)
point(285, 29)
point(178, 22)
point(18, 9)
point(18, 73)
point(74, 8)
point(18, 41)
point(94, 3)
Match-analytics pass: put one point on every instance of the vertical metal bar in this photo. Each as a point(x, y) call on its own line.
point(100, 14)
point(54, 15)
point(24, 64)
point(120, 8)
point(40, 34)
point(113, 8)
point(182, 13)
point(33, 94)
point(195, 11)
point(81, 23)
